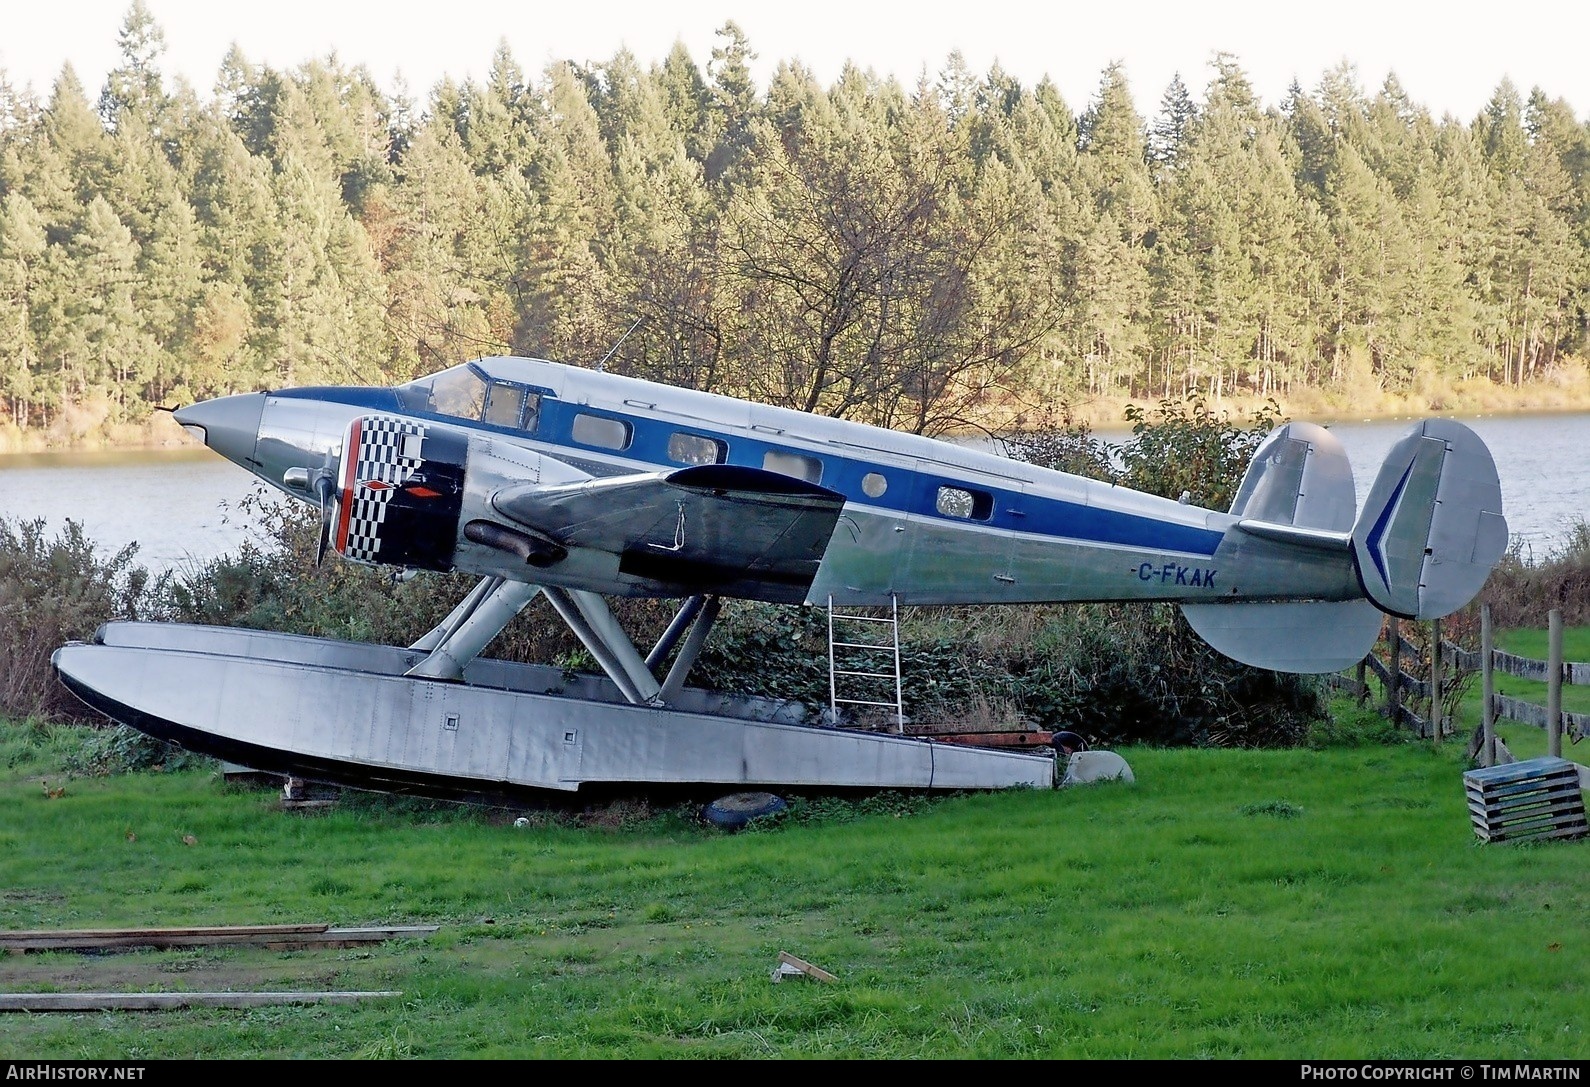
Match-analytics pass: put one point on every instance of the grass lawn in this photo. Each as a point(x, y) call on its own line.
point(1289, 904)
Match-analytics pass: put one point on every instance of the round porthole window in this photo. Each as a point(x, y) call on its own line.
point(873, 485)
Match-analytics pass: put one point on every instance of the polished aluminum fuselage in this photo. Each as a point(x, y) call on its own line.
point(1040, 535)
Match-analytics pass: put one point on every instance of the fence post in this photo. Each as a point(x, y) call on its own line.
point(1435, 682)
point(1554, 686)
point(1487, 690)
point(1359, 678)
point(1394, 680)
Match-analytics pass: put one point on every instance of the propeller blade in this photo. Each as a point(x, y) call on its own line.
point(323, 489)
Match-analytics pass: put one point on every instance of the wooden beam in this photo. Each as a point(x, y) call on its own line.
point(275, 937)
point(789, 965)
point(1026, 739)
point(94, 1002)
point(211, 930)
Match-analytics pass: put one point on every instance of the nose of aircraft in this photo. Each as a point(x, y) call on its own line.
point(229, 425)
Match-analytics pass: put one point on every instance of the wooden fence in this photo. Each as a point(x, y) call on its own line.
point(1405, 691)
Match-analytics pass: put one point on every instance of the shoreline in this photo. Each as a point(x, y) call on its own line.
point(1566, 394)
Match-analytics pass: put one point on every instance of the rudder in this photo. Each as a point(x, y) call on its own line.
point(1432, 526)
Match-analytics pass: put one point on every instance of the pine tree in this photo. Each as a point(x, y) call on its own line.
point(663, 234)
point(495, 119)
point(1468, 195)
point(732, 106)
point(22, 246)
point(443, 289)
point(1112, 270)
point(135, 84)
point(1532, 279)
point(565, 311)
point(687, 100)
point(104, 309)
point(1173, 126)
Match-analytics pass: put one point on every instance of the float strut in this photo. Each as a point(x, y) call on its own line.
point(470, 632)
point(588, 616)
point(670, 637)
point(437, 634)
point(690, 650)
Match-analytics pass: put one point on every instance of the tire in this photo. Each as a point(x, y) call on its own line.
point(1068, 743)
point(737, 809)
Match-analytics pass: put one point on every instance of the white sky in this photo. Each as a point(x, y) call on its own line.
point(1450, 56)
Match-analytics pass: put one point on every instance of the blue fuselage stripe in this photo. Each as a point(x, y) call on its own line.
point(910, 491)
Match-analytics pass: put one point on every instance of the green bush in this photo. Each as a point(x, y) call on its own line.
point(1524, 588)
point(1185, 448)
point(55, 589)
point(1134, 673)
point(1349, 725)
point(122, 750)
point(767, 650)
point(36, 746)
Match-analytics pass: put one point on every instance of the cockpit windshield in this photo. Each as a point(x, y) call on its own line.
point(460, 392)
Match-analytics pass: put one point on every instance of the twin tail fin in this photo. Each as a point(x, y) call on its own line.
point(1428, 536)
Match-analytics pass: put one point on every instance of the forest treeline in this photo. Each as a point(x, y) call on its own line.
point(914, 256)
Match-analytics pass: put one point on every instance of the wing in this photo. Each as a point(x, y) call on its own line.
point(716, 528)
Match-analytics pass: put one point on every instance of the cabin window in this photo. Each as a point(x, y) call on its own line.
point(873, 485)
point(532, 412)
point(793, 464)
point(696, 449)
point(968, 505)
point(504, 404)
point(601, 431)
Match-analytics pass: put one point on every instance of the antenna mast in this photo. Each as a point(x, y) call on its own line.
point(602, 366)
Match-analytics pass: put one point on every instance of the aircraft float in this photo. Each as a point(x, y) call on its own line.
point(580, 485)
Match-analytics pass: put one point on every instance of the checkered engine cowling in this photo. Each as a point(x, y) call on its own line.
point(400, 492)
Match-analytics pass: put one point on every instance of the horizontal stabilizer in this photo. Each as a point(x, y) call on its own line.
point(1432, 527)
point(1308, 637)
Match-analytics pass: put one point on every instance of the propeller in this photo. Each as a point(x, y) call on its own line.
point(323, 491)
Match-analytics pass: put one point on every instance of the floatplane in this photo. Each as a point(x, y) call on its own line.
point(579, 485)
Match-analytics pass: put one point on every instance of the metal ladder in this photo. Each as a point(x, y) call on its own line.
point(856, 659)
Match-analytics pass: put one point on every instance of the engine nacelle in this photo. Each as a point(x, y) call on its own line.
point(410, 491)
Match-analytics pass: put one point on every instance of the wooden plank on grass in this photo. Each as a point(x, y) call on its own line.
point(351, 937)
point(95, 1002)
point(187, 930)
point(274, 937)
point(804, 967)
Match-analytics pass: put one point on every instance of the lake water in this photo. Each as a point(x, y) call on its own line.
point(1539, 458)
point(182, 506)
